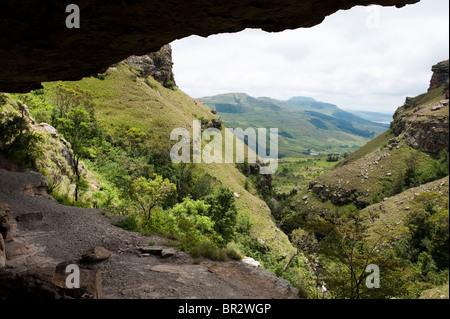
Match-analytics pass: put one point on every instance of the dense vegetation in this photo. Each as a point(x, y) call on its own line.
point(126, 170)
point(343, 240)
point(121, 164)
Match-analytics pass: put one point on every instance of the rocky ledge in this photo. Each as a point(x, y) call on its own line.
point(40, 239)
point(425, 126)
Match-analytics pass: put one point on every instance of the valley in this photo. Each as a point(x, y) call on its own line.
point(95, 155)
point(305, 125)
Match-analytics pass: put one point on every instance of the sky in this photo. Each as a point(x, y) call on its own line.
point(365, 58)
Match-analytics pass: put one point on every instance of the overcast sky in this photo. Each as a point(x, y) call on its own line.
point(366, 58)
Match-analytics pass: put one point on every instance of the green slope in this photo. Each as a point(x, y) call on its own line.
point(124, 100)
point(303, 123)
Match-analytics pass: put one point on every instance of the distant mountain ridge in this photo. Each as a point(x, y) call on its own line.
point(305, 124)
point(377, 117)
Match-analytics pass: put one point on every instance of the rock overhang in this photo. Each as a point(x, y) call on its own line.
point(36, 46)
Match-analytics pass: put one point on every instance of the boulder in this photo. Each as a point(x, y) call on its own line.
point(98, 254)
point(38, 188)
point(251, 262)
point(17, 248)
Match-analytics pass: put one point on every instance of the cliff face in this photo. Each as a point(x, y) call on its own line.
point(423, 120)
point(156, 64)
point(420, 127)
point(440, 76)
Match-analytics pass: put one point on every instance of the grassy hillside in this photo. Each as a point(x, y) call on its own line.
point(124, 101)
point(305, 125)
point(386, 203)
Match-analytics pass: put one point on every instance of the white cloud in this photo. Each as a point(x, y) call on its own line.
point(341, 61)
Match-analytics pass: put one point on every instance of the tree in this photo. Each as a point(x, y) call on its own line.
point(223, 213)
point(347, 251)
point(17, 141)
point(149, 193)
point(68, 97)
point(304, 241)
point(77, 128)
point(411, 174)
point(193, 224)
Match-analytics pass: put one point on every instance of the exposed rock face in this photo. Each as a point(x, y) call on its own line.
point(440, 75)
point(426, 126)
point(38, 188)
point(422, 123)
point(36, 46)
point(157, 64)
point(427, 133)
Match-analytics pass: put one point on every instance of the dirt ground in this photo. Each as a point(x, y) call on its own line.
point(54, 234)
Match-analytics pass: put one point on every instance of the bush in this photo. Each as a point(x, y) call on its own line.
point(130, 224)
point(223, 213)
point(17, 141)
point(213, 252)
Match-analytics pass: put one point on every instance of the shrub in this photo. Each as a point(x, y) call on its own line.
point(211, 251)
point(17, 141)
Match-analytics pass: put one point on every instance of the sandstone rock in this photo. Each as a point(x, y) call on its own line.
point(168, 252)
point(152, 250)
point(49, 129)
point(4, 207)
point(156, 64)
point(98, 254)
point(440, 74)
point(67, 154)
point(16, 248)
point(427, 132)
point(37, 189)
point(114, 31)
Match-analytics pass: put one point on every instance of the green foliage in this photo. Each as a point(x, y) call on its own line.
point(213, 252)
point(68, 97)
point(146, 194)
point(101, 76)
point(346, 252)
point(333, 158)
point(78, 128)
point(130, 223)
point(3, 99)
point(65, 200)
point(427, 241)
point(223, 213)
point(301, 127)
point(17, 142)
